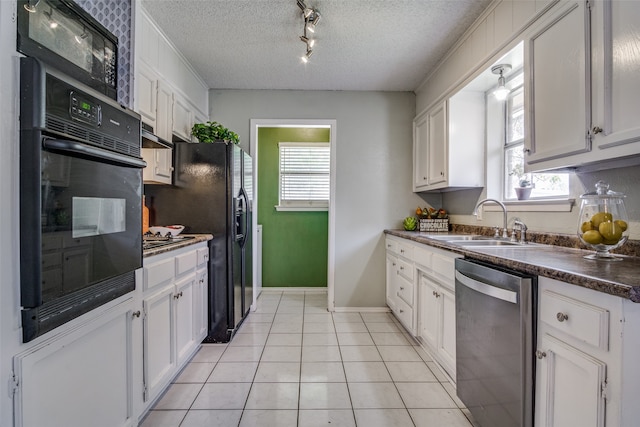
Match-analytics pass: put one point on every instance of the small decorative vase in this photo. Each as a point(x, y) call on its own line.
point(523, 193)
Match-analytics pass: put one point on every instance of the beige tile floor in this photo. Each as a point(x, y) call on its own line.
point(292, 363)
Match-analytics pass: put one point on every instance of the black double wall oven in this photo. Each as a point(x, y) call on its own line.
point(80, 198)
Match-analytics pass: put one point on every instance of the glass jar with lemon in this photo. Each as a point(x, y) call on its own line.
point(603, 222)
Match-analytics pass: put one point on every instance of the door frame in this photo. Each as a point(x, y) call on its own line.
point(253, 150)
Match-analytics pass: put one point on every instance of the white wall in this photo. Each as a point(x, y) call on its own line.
point(373, 170)
point(9, 248)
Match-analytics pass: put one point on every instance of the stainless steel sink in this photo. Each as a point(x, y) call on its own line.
point(457, 237)
point(487, 242)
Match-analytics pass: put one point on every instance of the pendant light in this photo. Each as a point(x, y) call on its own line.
point(502, 91)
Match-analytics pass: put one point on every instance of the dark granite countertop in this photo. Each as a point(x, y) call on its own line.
point(177, 245)
point(619, 278)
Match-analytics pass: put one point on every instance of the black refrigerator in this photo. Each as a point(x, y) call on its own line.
point(212, 193)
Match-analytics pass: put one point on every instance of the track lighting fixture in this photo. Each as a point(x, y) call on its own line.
point(31, 6)
point(502, 91)
point(311, 16)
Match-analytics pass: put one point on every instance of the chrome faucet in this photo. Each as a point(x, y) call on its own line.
point(518, 225)
point(504, 215)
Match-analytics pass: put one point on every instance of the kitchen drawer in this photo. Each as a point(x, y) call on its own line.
point(186, 262)
point(159, 273)
point(405, 291)
point(443, 268)
point(405, 250)
point(405, 269)
point(203, 256)
point(72, 242)
point(585, 322)
point(422, 257)
point(392, 246)
point(404, 313)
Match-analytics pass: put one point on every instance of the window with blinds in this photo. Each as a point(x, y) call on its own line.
point(304, 175)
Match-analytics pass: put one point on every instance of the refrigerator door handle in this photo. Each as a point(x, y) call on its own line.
point(243, 201)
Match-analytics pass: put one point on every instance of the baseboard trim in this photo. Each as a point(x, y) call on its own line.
point(362, 309)
point(294, 289)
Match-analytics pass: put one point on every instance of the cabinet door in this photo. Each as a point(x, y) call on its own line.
point(185, 331)
point(557, 59)
point(182, 118)
point(200, 305)
point(447, 331)
point(79, 377)
point(164, 111)
point(616, 88)
point(429, 314)
point(158, 342)
point(146, 92)
point(438, 138)
point(569, 386)
point(392, 273)
point(420, 153)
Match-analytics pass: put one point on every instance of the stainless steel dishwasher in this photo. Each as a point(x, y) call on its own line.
point(495, 336)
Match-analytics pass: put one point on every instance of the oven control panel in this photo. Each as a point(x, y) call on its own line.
point(85, 110)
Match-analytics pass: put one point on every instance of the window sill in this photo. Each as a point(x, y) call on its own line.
point(302, 208)
point(533, 205)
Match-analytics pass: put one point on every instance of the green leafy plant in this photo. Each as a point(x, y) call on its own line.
point(213, 131)
point(524, 179)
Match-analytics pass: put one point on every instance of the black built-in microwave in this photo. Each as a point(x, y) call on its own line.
point(62, 35)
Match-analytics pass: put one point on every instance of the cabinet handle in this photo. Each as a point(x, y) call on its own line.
point(178, 295)
point(401, 288)
point(394, 264)
point(136, 314)
point(597, 129)
point(541, 354)
point(401, 311)
point(527, 151)
point(424, 178)
point(401, 251)
point(388, 246)
point(561, 317)
point(441, 173)
point(401, 267)
point(434, 293)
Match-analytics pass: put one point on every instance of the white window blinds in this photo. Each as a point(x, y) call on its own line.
point(304, 174)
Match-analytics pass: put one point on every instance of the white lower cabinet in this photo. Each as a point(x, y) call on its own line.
point(437, 307)
point(571, 382)
point(584, 375)
point(83, 376)
point(421, 294)
point(174, 303)
point(400, 288)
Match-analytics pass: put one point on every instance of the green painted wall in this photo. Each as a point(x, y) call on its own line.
point(294, 244)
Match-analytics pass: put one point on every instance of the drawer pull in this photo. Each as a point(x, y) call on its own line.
point(541, 354)
point(136, 314)
point(561, 317)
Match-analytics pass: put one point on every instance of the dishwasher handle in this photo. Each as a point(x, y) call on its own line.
point(484, 288)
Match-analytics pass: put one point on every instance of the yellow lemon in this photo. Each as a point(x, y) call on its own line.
point(593, 237)
point(611, 232)
point(622, 224)
point(586, 226)
point(601, 217)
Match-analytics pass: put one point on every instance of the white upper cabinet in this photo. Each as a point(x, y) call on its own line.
point(616, 92)
point(448, 144)
point(169, 95)
point(557, 63)
point(581, 65)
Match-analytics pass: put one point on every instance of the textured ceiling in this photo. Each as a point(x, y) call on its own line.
point(386, 45)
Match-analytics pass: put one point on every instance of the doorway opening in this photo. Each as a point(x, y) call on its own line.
point(301, 130)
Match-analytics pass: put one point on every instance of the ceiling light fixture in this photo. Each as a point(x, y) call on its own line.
point(31, 8)
point(502, 91)
point(311, 16)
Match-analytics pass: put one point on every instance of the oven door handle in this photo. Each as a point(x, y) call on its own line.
point(484, 288)
point(76, 149)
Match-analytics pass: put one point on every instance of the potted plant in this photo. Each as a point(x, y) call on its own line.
point(523, 191)
point(213, 131)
